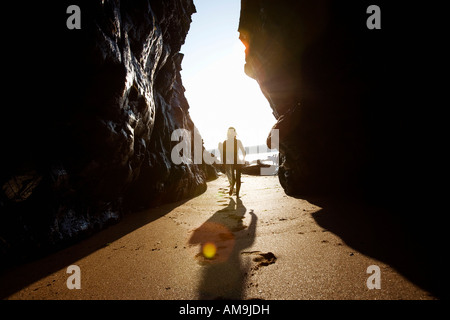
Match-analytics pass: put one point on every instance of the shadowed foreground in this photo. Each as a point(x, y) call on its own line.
point(267, 246)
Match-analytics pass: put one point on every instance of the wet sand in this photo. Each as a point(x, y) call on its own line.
point(265, 245)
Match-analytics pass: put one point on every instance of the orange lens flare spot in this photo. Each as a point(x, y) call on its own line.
point(209, 250)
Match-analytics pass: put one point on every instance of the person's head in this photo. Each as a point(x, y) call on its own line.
point(231, 133)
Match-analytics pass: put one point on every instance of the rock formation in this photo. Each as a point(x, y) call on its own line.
point(309, 58)
point(87, 133)
point(341, 92)
point(360, 116)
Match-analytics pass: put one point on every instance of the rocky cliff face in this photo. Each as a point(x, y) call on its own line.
point(359, 114)
point(87, 135)
point(341, 92)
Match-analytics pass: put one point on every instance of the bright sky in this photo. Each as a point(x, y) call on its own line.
point(219, 93)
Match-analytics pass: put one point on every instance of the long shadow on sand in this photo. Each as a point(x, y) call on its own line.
point(408, 240)
point(17, 277)
point(223, 274)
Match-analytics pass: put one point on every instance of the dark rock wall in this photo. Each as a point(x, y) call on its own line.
point(87, 134)
point(346, 98)
point(362, 117)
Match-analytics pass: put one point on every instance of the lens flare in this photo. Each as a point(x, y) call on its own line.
point(209, 250)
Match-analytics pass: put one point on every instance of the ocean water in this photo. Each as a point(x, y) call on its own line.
point(266, 157)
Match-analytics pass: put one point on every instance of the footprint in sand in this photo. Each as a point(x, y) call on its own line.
point(262, 259)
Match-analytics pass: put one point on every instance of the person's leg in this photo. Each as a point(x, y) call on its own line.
point(231, 177)
point(228, 172)
point(238, 180)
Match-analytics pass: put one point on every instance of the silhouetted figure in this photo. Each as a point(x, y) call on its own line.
point(224, 273)
point(229, 150)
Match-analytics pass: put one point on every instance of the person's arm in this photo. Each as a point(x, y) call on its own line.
point(241, 147)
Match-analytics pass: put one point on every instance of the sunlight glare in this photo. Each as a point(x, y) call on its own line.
point(209, 250)
point(219, 93)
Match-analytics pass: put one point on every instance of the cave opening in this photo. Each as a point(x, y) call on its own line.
point(219, 92)
point(89, 144)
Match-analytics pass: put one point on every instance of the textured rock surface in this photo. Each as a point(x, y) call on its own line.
point(342, 94)
point(359, 112)
point(302, 56)
point(88, 134)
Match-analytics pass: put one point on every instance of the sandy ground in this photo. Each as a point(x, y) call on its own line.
point(266, 245)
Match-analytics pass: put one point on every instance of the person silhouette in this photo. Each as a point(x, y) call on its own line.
point(229, 151)
point(223, 272)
